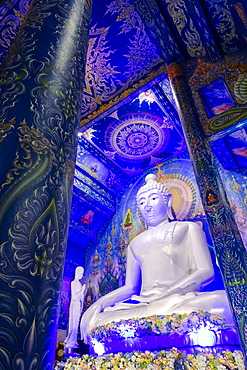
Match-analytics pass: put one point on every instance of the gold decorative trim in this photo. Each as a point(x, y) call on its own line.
point(127, 92)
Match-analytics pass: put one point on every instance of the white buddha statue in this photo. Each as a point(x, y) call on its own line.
point(173, 263)
point(76, 305)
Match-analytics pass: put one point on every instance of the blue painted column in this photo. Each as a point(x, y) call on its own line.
point(41, 82)
point(229, 248)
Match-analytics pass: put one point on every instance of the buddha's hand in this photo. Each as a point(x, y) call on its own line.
point(152, 295)
point(182, 290)
point(192, 287)
point(88, 319)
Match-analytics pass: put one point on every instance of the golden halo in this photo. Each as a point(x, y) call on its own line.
point(182, 196)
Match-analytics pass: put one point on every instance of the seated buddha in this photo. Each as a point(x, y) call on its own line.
point(171, 260)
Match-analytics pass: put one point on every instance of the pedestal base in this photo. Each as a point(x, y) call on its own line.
point(191, 341)
point(188, 332)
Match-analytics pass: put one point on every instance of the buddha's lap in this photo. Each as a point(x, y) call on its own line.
point(213, 302)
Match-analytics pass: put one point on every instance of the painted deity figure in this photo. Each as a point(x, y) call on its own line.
point(173, 263)
point(77, 298)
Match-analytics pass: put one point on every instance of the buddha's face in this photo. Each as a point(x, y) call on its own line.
point(153, 207)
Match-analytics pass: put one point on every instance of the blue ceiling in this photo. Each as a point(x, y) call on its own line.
point(142, 132)
point(130, 38)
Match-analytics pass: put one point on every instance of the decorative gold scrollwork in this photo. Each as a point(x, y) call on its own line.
point(5, 128)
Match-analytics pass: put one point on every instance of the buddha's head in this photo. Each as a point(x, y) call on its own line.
point(154, 202)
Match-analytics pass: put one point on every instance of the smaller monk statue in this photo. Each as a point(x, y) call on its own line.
point(171, 260)
point(75, 309)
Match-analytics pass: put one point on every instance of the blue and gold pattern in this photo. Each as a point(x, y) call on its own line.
point(230, 110)
point(185, 25)
point(12, 15)
point(40, 100)
point(104, 79)
point(229, 247)
point(141, 133)
point(130, 38)
point(226, 21)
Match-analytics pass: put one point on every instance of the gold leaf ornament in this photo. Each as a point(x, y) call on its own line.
point(240, 88)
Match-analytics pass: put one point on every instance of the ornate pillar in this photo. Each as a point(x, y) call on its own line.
point(229, 248)
point(41, 84)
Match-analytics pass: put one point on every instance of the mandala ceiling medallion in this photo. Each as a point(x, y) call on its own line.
point(136, 136)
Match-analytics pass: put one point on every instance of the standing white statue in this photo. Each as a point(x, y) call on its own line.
point(173, 263)
point(75, 309)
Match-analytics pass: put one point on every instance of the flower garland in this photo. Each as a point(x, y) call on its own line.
point(157, 325)
point(166, 360)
